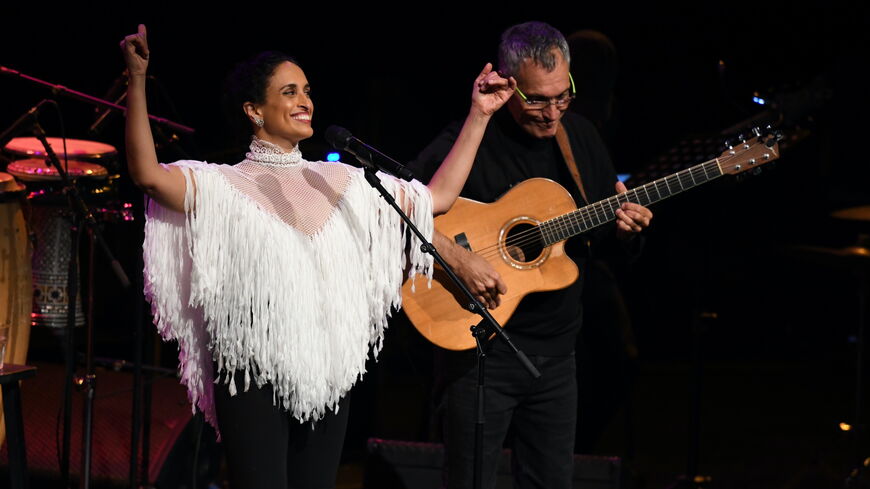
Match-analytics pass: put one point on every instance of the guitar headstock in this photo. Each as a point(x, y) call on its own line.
point(743, 155)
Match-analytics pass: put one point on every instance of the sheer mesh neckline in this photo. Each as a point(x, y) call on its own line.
point(271, 154)
point(301, 193)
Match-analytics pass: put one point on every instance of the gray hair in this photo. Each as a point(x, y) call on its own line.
point(534, 41)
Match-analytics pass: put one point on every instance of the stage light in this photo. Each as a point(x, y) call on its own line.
point(332, 156)
point(756, 97)
point(845, 426)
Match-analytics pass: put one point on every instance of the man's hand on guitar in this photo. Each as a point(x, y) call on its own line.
point(631, 218)
point(478, 275)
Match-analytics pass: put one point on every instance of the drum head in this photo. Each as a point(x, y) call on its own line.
point(75, 148)
point(37, 170)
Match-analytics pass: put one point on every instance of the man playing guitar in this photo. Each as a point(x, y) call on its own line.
point(531, 137)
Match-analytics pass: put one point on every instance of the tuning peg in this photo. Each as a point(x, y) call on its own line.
point(756, 131)
point(741, 137)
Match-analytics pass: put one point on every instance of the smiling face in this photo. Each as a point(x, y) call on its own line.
point(288, 108)
point(536, 82)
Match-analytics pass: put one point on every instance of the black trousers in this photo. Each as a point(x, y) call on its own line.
point(540, 415)
point(267, 448)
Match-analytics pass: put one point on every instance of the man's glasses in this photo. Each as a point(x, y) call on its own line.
point(539, 103)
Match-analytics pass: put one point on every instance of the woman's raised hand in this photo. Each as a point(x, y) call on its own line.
point(135, 49)
point(491, 91)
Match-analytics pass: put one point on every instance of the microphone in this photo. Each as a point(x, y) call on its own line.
point(342, 140)
point(20, 125)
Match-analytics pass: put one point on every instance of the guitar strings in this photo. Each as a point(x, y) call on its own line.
point(588, 214)
point(597, 211)
point(584, 218)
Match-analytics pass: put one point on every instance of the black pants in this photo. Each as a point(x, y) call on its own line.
point(267, 448)
point(541, 415)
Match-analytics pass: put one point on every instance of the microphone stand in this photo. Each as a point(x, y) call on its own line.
point(487, 326)
point(81, 215)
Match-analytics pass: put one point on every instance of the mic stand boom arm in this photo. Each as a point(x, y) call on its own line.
point(90, 99)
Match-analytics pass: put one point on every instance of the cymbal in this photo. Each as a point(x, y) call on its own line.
point(37, 170)
point(860, 213)
point(851, 258)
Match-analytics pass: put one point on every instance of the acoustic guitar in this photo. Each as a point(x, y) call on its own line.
point(522, 235)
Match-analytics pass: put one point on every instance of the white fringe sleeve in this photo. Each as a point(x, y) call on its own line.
point(391, 244)
point(167, 277)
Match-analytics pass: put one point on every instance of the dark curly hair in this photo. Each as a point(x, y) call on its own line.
point(247, 83)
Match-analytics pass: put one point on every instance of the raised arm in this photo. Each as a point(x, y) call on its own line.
point(164, 185)
point(490, 92)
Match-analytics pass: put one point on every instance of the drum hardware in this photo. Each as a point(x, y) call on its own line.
point(854, 260)
point(89, 220)
point(857, 259)
point(80, 216)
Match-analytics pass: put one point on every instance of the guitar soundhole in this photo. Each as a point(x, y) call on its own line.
point(523, 243)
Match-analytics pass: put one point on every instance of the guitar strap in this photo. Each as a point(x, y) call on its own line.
point(565, 148)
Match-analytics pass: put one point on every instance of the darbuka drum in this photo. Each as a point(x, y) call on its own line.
point(39, 170)
point(44, 183)
point(76, 149)
point(50, 220)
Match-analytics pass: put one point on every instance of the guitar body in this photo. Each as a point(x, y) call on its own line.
point(504, 234)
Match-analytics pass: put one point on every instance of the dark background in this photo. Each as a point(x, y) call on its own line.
point(779, 361)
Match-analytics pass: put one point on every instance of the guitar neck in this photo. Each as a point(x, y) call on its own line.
point(602, 212)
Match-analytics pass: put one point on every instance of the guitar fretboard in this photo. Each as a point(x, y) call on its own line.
point(594, 215)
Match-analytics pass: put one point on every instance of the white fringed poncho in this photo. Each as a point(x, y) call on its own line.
point(282, 268)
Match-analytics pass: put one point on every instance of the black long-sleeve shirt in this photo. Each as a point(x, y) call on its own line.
point(545, 323)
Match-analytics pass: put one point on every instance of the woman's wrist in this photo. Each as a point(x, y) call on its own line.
point(478, 116)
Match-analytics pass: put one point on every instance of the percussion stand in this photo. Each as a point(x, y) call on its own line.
point(856, 261)
point(861, 458)
point(81, 215)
